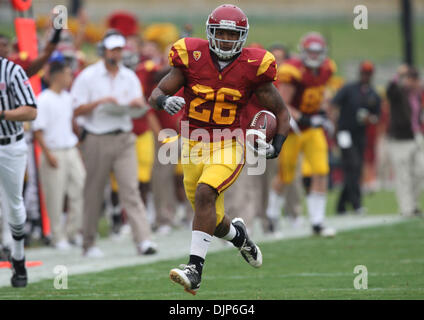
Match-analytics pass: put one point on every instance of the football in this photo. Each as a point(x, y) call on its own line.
point(264, 125)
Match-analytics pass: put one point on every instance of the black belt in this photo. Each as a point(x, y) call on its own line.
point(115, 132)
point(8, 140)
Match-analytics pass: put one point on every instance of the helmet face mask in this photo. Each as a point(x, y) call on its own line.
point(313, 50)
point(227, 17)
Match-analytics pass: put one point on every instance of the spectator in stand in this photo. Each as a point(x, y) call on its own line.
point(406, 145)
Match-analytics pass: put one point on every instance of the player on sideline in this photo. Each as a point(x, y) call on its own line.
point(218, 77)
point(302, 86)
point(17, 104)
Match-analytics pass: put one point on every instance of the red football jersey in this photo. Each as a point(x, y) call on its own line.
point(309, 87)
point(145, 72)
point(252, 108)
point(215, 98)
point(168, 121)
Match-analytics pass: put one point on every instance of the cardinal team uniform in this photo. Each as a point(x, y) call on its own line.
point(214, 101)
point(145, 141)
point(308, 96)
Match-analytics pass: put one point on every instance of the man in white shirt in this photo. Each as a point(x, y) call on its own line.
point(104, 95)
point(61, 169)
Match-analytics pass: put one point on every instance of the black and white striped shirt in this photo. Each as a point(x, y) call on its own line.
point(15, 91)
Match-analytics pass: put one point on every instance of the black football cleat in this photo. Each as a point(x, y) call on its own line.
point(19, 278)
point(249, 250)
point(322, 231)
point(187, 276)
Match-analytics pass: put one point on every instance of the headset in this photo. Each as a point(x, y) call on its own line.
point(101, 44)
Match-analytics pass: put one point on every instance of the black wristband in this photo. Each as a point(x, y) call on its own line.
point(277, 142)
point(304, 121)
point(2, 115)
point(56, 36)
point(160, 101)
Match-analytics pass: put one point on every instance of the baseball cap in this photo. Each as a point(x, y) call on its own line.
point(57, 56)
point(114, 41)
point(366, 66)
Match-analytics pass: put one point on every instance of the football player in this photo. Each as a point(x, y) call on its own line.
point(218, 76)
point(302, 85)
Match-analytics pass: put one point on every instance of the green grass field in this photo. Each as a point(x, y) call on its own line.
point(307, 268)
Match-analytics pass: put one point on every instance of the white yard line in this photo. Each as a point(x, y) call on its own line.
point(121, 252)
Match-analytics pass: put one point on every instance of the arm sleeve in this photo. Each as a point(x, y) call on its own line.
point(288, 74)
point(40, 121)
point(178, 55)
point(339, 98)
point(79, 92)
point(137, 89)
point(21, 88)
point(267, 69)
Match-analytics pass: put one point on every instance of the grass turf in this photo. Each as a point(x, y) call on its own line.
point(307, 268)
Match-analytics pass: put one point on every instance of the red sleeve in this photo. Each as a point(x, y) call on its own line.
point(178, 56)
point(289, 72)
point(266, 68)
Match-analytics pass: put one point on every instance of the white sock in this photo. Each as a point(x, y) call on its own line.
point(200, 243)
point(231, 234)
point(18, 249)
point(316, 202)
point(275, 205)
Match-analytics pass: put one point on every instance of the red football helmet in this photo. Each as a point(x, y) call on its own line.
point(228, 17)
point(313, 49)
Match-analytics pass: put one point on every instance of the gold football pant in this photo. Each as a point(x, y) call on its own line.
point(217, 164)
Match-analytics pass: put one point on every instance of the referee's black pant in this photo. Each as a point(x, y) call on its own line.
point(352, 161)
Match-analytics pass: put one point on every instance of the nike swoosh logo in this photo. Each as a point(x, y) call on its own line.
point(252, 60)
point(206, 240)
point(264, 126)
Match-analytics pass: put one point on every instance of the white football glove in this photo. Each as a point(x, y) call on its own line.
point(322, 121)
point(317, 120)
point(264, 148)
point(173, 104)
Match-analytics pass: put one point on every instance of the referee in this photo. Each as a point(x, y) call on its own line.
point(17, 104)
